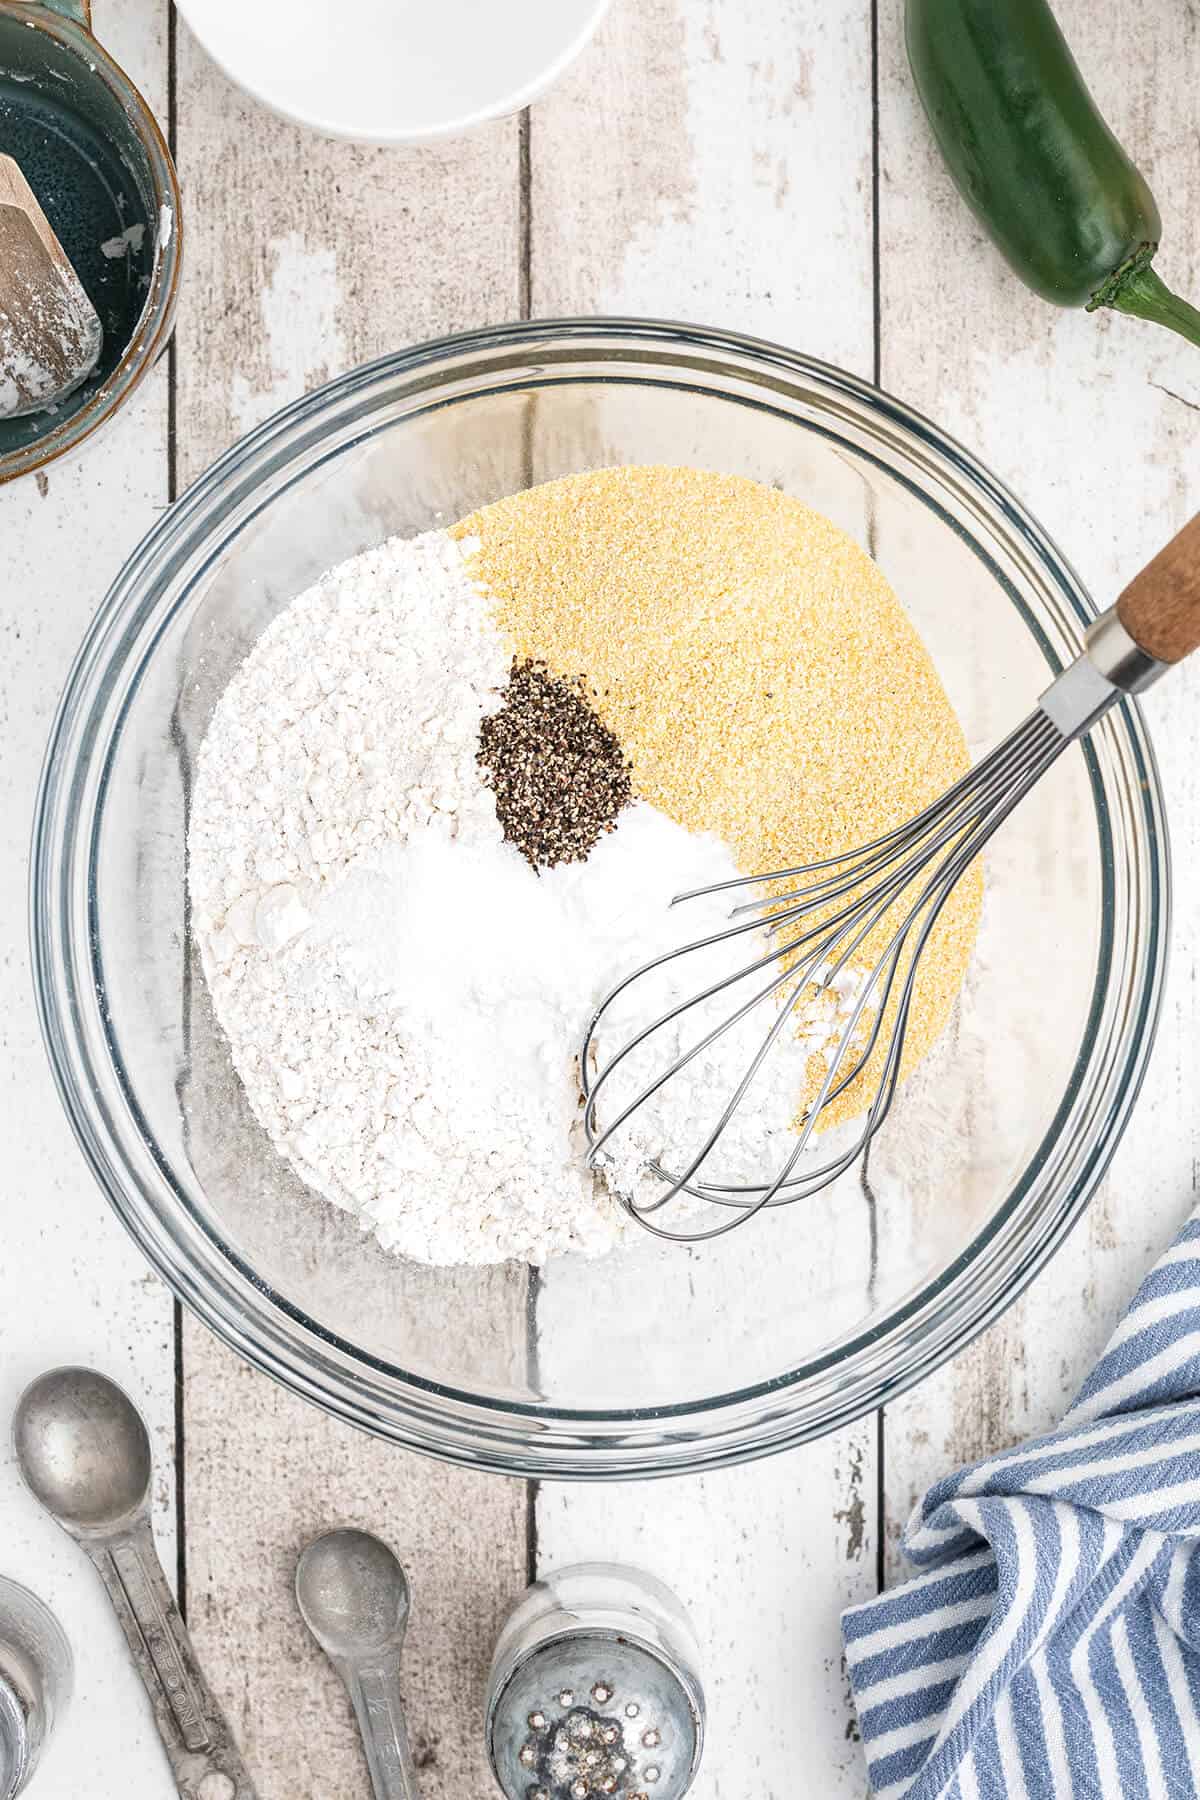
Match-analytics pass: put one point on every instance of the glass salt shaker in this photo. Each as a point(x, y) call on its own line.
point(35, 1683)
point(594, 1690)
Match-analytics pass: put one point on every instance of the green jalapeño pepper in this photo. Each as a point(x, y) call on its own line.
point(1032, 156)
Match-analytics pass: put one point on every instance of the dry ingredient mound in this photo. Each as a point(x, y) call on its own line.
point(442, 807)
point(559, 776)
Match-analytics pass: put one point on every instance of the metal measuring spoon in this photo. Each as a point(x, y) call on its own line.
point(353, 1595)
point(85, 1455)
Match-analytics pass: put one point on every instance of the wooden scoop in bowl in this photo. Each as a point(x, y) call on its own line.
point(50, 333)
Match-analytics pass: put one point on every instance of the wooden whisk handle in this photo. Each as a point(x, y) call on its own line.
point(1160, 609)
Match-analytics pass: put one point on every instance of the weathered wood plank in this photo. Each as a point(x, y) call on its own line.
point(72, 1287)
point(1090, 420)
point(712, 162)
point(307, 257)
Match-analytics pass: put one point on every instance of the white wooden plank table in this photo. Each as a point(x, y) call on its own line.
point(762, 168)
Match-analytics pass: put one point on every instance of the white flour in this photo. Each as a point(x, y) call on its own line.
point(403, 996)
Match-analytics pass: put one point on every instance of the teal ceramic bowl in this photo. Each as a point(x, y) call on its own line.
point(93, 154)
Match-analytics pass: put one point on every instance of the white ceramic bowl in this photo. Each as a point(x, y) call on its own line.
point(394, 71)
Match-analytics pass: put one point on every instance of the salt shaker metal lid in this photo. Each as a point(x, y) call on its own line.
point(595, 1691)
point(16, 1749)
point(35, 1683)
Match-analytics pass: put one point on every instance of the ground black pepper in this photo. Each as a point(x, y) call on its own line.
point(559, 776)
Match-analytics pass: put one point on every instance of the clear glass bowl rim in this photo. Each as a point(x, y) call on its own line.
point(882, 1360)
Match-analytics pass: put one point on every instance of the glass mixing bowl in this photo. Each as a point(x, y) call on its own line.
point(659, 1358)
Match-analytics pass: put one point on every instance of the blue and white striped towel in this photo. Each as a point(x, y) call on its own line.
point(1051, 1645)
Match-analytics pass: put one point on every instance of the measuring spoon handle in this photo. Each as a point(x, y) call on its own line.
point(374, 1687)
point(195, 1733)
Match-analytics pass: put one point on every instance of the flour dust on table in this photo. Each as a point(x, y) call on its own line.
point(447, 800)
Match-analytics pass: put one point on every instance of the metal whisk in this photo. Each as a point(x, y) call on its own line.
point(894, 889)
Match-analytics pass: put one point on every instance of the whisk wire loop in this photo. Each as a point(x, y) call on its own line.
point(852, 895)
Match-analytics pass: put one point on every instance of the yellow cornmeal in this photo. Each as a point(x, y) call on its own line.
point(754, 663)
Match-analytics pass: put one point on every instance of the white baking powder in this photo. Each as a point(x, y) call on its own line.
point(404, 997)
